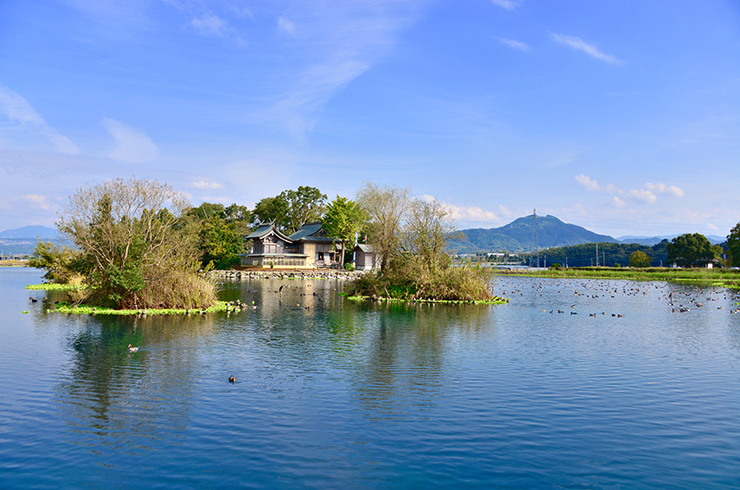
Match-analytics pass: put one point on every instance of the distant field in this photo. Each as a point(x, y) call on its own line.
point(13, 263)
point(703, 277)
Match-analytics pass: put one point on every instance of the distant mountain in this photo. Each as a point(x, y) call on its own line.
point(517, 236)
point(30, 232)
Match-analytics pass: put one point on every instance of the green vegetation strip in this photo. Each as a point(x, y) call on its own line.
point(97, 310)
point(703, 277)
point(56, 287)
point(495, 301)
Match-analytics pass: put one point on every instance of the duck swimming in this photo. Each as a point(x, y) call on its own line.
point(232, 379)
point(132, 349)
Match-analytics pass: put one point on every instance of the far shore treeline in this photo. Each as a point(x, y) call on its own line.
point(138, 243)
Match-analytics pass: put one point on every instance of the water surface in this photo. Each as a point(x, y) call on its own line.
point(335, 394)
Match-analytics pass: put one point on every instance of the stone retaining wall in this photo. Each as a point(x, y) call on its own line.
point(243, 275)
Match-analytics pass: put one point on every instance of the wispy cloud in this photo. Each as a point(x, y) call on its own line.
point(203, 184)
point(38, 200)
point(648, 193)
point(339, 42)
point(23, 117)
point(507, 4)
point(210, 24)
point(286, 26)
point(131, 145)
point(580, 45)
point(515, 44)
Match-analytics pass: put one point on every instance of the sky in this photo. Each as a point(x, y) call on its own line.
point(622, 116)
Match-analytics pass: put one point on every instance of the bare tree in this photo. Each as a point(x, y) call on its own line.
point(386, 209)
point(428, 229)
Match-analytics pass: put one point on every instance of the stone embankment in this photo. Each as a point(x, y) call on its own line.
point(243, 275)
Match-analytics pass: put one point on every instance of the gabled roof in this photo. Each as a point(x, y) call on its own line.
point(312, 232)
point(264, 230)
point(365, 247)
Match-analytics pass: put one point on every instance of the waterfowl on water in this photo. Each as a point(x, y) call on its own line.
point(132, 349)
point(232, 379)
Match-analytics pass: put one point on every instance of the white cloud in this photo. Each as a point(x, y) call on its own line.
point(712, 227)
point(131, 145)
point(643, 195)
point(211, 25)
point(507, 4)
point(202, 184)
point(40, 201)
point(504, 210)
point(20, 112)
point(665, 189)
point(588, 182)
point(286, 26)
point(466, 213)
point(580, 45)
point(648, 194)
point(515, 44)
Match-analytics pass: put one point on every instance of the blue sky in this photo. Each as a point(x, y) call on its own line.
point(621, 116)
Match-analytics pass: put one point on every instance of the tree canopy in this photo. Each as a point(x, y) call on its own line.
point(640, 259)
point(689, 249)
point(136, 251)
point(291, 209)
point(344, 219)
point(733, 245)
point(221, 232)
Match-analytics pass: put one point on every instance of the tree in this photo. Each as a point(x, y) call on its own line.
point(291, 209)
point(344, 219)
point(272, 210)
point(137, 252)
point(221, 232)
point(62, 263)
point(386, 209)
point(733, 245)
point(688, 249)
point(428, 229)
point(640, 259)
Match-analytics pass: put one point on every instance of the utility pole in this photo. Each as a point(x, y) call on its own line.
point(535, 241)
point(597, 254)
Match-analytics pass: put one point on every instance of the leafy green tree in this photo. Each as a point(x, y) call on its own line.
point(291, 209)
point(688, 249)
point(733, 245)
point(136, 250)
point(640, 259)
point(221, 232)
point(62, 263)
point(344, 219)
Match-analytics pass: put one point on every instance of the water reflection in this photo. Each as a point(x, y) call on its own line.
point(124, 401)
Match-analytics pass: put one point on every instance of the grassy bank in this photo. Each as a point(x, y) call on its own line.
point(701, 277)
point(13, 263)
point(96, 310)
point(495, 300)
point(56, 287)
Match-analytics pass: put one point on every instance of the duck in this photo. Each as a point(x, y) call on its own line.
point(132, 349)
point(232, 379)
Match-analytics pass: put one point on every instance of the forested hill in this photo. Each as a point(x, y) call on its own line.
point(517, 236)
point(610, 254)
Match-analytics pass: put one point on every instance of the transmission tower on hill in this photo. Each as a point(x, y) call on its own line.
point(534, 250)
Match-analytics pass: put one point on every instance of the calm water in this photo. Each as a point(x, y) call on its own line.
point(342, 395)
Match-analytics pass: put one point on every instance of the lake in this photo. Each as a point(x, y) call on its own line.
point(336, 394)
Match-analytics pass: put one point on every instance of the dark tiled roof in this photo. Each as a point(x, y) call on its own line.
point(264, 230)
point(306, 230)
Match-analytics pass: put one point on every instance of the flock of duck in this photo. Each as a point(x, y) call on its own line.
point(679, 300)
